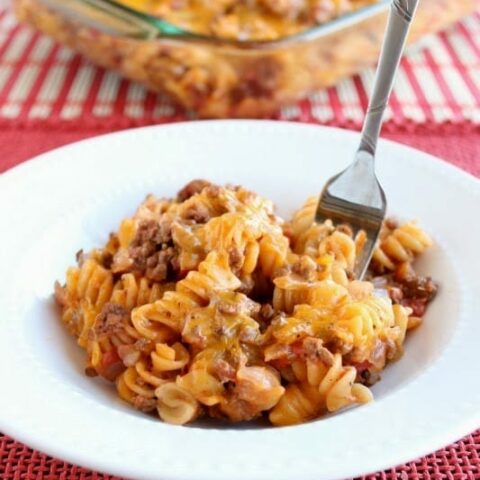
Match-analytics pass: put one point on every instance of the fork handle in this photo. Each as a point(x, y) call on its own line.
point(399, 19)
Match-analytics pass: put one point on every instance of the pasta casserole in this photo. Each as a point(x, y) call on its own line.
point(228, 75)
point(209, 304)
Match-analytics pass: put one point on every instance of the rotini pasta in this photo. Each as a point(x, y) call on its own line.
point(303, 218)
point(137, 386)
point(320, 387)
point(208, 304)
point(399, 244)
point(175, 404)
point(87, 288)
point(157, 320)
point(131, 292)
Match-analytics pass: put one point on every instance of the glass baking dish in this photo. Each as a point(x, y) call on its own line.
point(226, 78)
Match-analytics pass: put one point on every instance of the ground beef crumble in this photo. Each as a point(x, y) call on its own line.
point(406, 287)
point(345, 228)
point(80, 257)
point(223, 370)
point(412, 290)
point(152, 252)
point(60, 295)
point(191, 189)
point(160, 264)
point(391, 223)
point(419, 288)
point(313, 348)
point(267, 312)
point(229, 308)
point(150, 234)
point(197, 213)
point(247, 285)
point(304, 270)
point(144, 404)
point(235, 259)
point(112, 319)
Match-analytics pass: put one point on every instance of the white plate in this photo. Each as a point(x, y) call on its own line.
point(71, 198)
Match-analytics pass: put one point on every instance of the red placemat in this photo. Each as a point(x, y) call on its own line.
point(459, 461)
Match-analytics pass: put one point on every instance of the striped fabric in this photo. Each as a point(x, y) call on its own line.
point(41, 80)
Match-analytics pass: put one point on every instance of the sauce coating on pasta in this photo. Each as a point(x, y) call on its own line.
point(209, 304)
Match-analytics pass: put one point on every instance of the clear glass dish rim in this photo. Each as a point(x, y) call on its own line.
point(161, 29)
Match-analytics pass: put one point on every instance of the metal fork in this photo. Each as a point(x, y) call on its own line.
point(355, 195)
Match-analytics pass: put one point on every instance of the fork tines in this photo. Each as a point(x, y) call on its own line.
point(359, 216)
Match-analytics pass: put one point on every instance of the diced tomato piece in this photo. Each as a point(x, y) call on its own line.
point(297, 349)
point(362, 366)
point(279, 363)
point(111, 365)
point(417, 305)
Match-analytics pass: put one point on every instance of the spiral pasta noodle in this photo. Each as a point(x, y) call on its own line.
point(155, 321)
point(233, 232)
point(273, 254)
point(341, 247)
point(87, 288)
point(310, 283)
point(131, 292)
point(303, 218)
point(167, 358)
point(175, 404)
point(401, 244)
point(136, 385)
point(322, 388)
